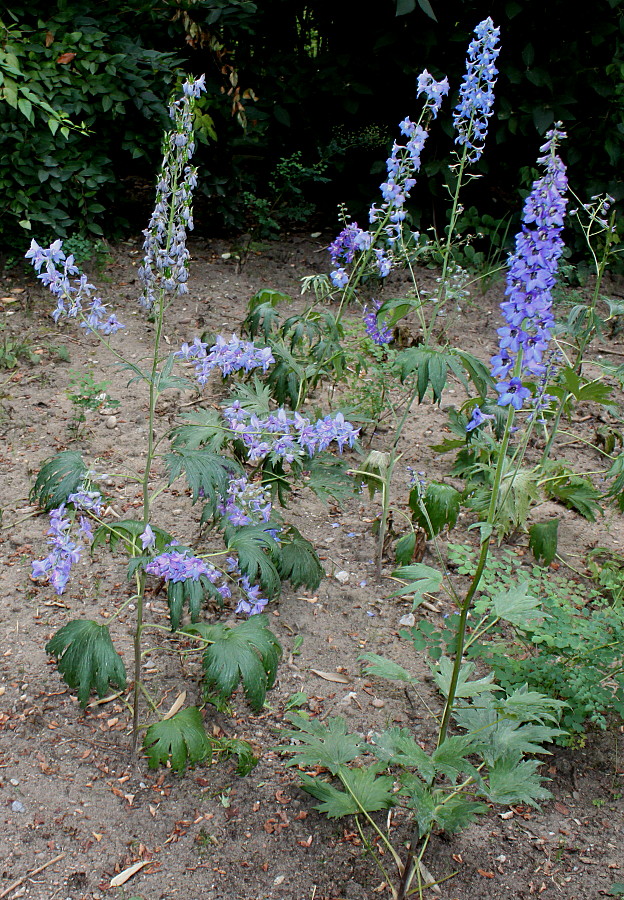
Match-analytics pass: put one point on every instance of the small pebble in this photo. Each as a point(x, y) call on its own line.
point(342, 576)
point(14, 782)
point(111, 422)
point(378, 704)
point(408, 620)
point(16, 806)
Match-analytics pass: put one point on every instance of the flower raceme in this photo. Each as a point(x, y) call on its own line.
point(228, 356)
point(55, 270)
point(401, 166)
point(476, 94)
point(165, 261)
point(287, 437)
point(531, 276)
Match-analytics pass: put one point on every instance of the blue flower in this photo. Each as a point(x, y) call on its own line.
point(478, 418)
point(512, 392)
point(476, 94)
point(531, 276)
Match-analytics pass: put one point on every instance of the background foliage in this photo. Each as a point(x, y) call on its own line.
point(296, 89)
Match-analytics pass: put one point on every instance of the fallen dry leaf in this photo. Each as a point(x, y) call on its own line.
point(177, 705)
point(63, 59)
point(331, 676)
point(127, 874)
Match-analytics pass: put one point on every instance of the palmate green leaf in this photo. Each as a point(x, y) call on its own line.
point(441, 503)
point(248, 653)
point(86, 658)
point(60, 476)
point(200, 428)
point(381, 667)
point(397, 747)
point(514, 780)
point(543, 541)
point(421, 799)
point(575, 492)
point(582, 389)
point(242, 750)
point(298, 561)
point(404, 549)
point(165, 380)
point(457, 812)
point(253, 544)
point(329, 478)
point(430, 366)
point(365, 790)
point(421, 579)
point(495, 733)
point(442, 673)
point(326, 744)
point(450, 757)
point(517, 606)
point(180, 741)
point(206, 473)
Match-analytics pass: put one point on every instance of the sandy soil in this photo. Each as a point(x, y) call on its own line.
point(76, 810)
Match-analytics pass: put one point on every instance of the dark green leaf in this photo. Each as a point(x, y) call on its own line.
point(129, 531)
point(60, 476)
point(207, 473)
point(202, 427)
point(397, 747)
point(86, 658)
point(248, 653)
point(441, 503)
point(512, 780)
point(298, 561)
point(575, 492)
point(180, 740)
point(252, 543)
point(543, 540)
point(404, 549)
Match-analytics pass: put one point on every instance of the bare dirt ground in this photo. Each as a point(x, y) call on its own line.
point(76, 810)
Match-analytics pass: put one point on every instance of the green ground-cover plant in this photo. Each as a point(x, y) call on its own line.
point(570, 647)
point(233, 463)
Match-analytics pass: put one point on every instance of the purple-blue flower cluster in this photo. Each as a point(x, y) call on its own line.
point(246, 503)
point(377, 331)
point(287, 437)
point(165, 261)
point(251, 603)
point(65, 551)
point(228, 356)
point(175, 565)
point(530, 279)
point(402, 166)
point(476, 94)
point(70, 293)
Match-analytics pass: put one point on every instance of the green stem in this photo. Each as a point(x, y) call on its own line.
point(476, 578)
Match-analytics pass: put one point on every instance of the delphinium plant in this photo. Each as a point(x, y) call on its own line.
point(228, 461)
point(487, 737)
point(311, 347)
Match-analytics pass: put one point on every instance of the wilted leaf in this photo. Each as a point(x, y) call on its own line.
point(438, 508)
